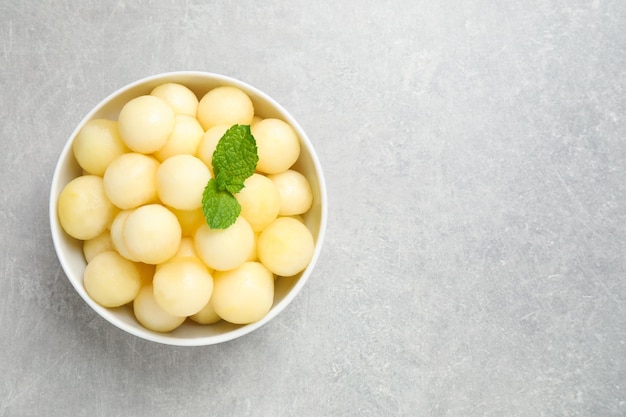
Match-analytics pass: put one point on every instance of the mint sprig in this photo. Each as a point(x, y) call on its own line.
point(234, 160)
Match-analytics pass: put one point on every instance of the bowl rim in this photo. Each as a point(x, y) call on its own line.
point(106, 313)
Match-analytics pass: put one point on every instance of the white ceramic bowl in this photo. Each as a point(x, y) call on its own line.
point(69, 250)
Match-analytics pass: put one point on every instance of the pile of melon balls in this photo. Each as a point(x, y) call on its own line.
point(137, 207)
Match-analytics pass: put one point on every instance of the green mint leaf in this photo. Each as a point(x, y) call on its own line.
point(235, 158)
point(220, 207)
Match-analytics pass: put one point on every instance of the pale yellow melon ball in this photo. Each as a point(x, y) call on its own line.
point(146, 271)
point(152, 234)
point(99, 244)
point(145, 123)
point(150, 315)
point(111, 280)
point(256, 119)
point(278, 145)
point(252, 256)
point(130, 180)
point(208, 143)
point(180, 98)
point(286, 246)
point(259, 200)
point(297, 217)
point(117, 236)
point(180, 181)
point(83, 208)
point(206, 316)
point(182, 286)
point(244, 294)
point(225, 105)
point(223, 249)
point(187, 249)
point(97, 144)
point(295, 192)
point(189, 220)
point(184, 139)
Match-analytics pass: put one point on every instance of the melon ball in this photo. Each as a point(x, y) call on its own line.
point(189, 220)
point(208, 143)
point(111, 280)
point(225, 105)
point(117, 236)
point(184, 139)
point(244, 294)
point(152, 234)
point(145, 123)
point(223, 249)
point(278, 145)
point(181, 180)
point(187, 249)
point(286, 246)
point(150, 315)
point(83, 208)
point(97, 144)
point(206, 316)
point(252, 256)
point(179, 97)
point(130, 180)
point(259, 200)
point(256, 119)
point(99, 244)
point(146, 271)
point(297, 217)
point(182, 286)
point(295, 192)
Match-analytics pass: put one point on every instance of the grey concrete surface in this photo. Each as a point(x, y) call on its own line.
point(474, 264)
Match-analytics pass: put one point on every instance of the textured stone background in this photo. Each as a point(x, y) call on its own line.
point(474, 263)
